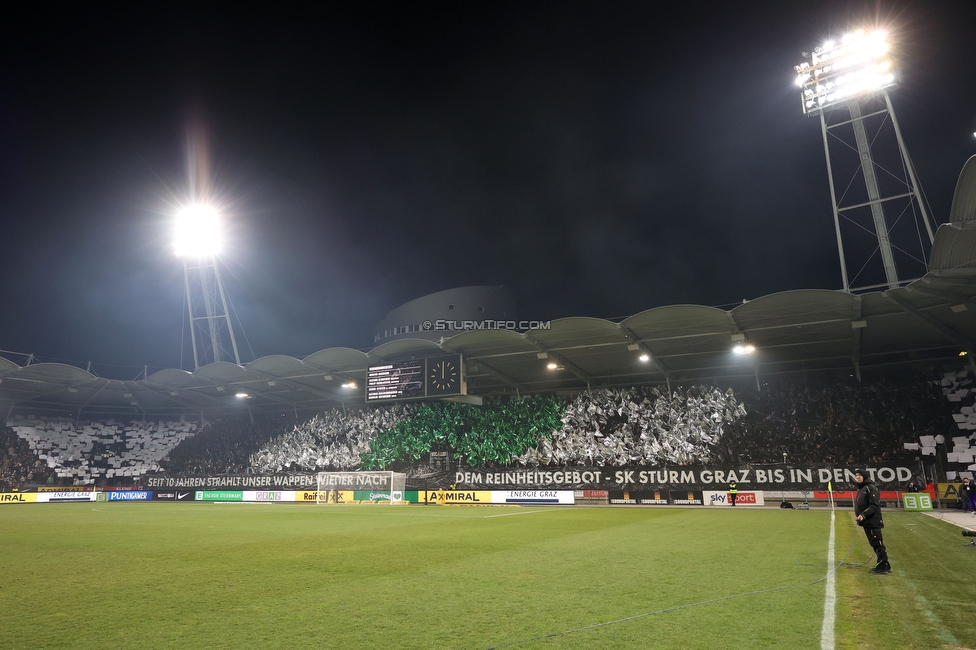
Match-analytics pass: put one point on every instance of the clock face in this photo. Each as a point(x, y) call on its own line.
point(443, 377)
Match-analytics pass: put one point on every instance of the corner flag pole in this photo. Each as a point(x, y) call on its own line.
point(830, 494)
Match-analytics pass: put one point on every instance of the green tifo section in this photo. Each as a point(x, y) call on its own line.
point(483, 436)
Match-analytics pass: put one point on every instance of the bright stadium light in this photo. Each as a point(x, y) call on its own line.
point(197, 232)
point(845, 83)
point(744, 349)
point(836, 72)
point(198, 241)
point(644, 357)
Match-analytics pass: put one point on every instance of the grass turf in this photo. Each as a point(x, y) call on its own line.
point(205, 575)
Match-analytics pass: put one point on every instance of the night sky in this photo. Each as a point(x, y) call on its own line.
point(598, 159)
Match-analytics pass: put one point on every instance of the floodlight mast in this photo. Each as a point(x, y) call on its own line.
point(853, 74)
point(198, 243)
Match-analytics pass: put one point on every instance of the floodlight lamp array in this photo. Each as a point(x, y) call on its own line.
point(858, 65)
point(197, 232)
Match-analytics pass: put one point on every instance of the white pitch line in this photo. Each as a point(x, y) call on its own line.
point(512, 514)
point(830, 597)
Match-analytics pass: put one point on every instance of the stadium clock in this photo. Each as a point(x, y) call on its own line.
point(444, 375)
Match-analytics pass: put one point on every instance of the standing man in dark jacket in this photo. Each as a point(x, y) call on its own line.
point(968, 494)
point(867, 509)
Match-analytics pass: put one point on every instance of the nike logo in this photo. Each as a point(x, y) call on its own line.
point(182, 495)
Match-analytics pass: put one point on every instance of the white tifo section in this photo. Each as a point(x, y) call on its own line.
point(742, 499)
point(394, 482)
point(830, 597)
point(85, 451)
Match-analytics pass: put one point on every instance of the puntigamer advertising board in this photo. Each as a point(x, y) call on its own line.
point(130, 495)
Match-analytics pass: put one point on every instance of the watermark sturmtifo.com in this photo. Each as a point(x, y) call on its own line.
point(462, 325)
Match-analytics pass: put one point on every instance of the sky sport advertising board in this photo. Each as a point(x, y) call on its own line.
point(743, 498)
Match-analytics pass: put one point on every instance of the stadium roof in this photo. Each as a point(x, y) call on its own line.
point(933, 318)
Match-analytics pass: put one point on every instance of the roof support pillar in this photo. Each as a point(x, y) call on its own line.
point(856, 326)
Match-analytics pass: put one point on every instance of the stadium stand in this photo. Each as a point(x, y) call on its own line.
point(825, 420)
point(638, 427)
point(85, 451)
point(330, 440)
point(19, 465)
point(960, 393)
point(224, 446)
point(820, 418)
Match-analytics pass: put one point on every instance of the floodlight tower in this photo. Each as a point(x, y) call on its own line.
point(846, 84)
point(198, 242)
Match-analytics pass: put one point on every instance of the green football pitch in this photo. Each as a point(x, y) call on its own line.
point(106, 575)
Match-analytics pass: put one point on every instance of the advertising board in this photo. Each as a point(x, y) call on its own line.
point(130, 495)
point(743, 498)
point(18, 497)
point(66, 497)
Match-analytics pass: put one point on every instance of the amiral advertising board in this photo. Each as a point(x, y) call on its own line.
point(18, 497)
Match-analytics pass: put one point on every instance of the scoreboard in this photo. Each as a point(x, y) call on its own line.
point(415, 379)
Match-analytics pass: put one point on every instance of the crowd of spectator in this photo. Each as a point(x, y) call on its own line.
point(333, 440)
point(104, 451)
point(19, 465)
point(225, 446)
point(815, 419)
point(960, 392)
point(638, 426)
point(836, 420)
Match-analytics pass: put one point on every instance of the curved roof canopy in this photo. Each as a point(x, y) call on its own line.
point(933, 318)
